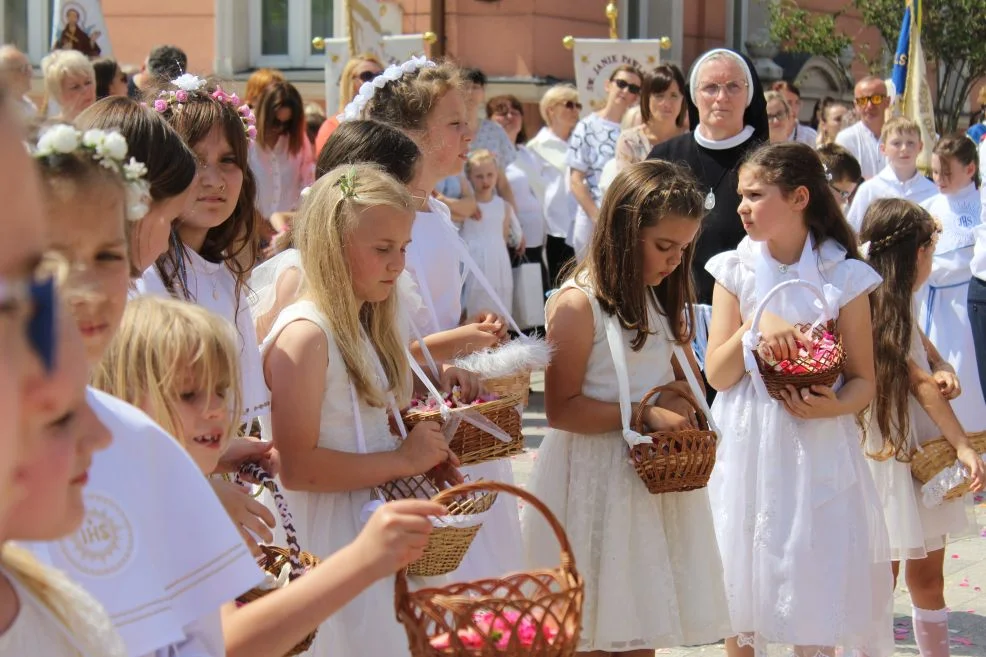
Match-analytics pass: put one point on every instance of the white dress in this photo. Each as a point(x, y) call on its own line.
point(37, 631)
point(914, 529)
point(213, 286)
point(160, 588)
point(327, 522)
point(434, 262)
point(799, 523)
point(944, 313)
point(484, 239)
point(650, 563)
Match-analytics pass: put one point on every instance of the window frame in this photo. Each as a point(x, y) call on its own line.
point(299, 55)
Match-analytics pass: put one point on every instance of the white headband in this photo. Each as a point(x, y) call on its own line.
point(693, 78)
point(354, 110)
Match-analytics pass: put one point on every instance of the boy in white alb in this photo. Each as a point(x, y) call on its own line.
point(900, 143)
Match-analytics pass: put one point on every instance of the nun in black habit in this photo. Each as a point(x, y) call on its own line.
point(729, 114)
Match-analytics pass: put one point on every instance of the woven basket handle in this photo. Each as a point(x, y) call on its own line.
point(449, 495)
point(638, 415)
point(287, 521)
point(755, 326)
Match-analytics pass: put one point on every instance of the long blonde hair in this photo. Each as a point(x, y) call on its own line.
point(323, 228)
point(160, 342)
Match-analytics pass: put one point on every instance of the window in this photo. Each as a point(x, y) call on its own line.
point(653, 19)
point(282, 31)
point(27, 25)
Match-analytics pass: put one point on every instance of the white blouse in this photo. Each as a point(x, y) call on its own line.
point(281, 175)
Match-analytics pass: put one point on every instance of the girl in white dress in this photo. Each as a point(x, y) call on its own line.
point(178, 361)
point(215, 242)
point(336, 365)
point(944, 314)
point(652, 571)
point(143, 484)
point(487, 236)
point(911, 407)
point(799, 523)
point(426, 102)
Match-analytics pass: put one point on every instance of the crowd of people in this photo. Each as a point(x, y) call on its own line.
point(204, 285)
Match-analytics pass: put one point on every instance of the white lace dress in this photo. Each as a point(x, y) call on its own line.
point(800, 526)
point(37, 631)
point(914, 529)
point(327, 522)
point(651, 567)
point(487, 246)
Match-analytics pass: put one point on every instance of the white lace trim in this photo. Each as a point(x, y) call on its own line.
point(933, 493)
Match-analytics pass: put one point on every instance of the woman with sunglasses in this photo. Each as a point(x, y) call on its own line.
point(862, 139)
point(663, 111)
point(281, 157)
point(560, 109)
point(593, 144)
point(359, 69)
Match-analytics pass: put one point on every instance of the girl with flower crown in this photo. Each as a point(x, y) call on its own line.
point(426, 102)
point(215, 242)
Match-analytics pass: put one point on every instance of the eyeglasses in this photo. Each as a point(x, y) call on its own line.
point(367, 76)
point(776, 118)
point(507, 111)
point(876, 100)
point(846, 196)
point(571, 104)
point(733, 88)
point(632, 88)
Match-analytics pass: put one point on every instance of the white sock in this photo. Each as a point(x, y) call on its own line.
point(931, 631)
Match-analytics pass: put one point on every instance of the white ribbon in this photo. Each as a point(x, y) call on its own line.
point(451, 417)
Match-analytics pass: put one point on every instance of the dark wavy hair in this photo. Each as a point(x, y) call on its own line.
point(236, 241)
point(791, 165)
point(896, 229)
point(640, 197)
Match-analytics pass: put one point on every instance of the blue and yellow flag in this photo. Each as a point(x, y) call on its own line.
point(910, 77)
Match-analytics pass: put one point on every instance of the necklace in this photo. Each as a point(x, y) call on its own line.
point(710, 198)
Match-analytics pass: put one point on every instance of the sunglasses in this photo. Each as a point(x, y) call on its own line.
point(282, 125)
point(875, 100)
point(368, 76)
point(632, 88)
point(507, 111)
point(36, 301)
point(571, 104)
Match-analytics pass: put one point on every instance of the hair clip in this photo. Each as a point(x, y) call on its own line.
point(828, 174)
point(347, 183)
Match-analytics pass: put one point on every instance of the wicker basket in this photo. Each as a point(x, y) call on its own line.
point(546, 603)
point(447, 546)
point(825, 373)
point(938, 454)
point(674, 461)
point(515, 384)
point(473, 445)
point(275, 558)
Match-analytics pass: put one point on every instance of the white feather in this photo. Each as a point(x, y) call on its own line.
point(523, 354)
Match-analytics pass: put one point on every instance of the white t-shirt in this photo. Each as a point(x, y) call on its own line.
point(156, 549)
point(885, 184)
point(213, 286)
point(864, 146)
point(527, 183)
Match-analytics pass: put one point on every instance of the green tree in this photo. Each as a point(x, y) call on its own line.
point(953, 36)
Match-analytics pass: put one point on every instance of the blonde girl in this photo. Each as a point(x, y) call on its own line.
point(337, 368)
point(40, 611)
point(911, 406)
point(178, 362)
point(92, 191)
point(426, 102)
point(650, 564)
point(215, 243)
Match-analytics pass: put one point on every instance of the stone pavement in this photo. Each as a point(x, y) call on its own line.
point(965, 567)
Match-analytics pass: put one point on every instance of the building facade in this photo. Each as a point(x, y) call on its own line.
point(518, 43)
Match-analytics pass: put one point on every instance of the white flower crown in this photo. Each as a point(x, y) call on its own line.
point(108, 148)
point(354, 110)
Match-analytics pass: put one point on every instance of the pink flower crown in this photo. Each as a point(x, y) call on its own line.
point(190, 84)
